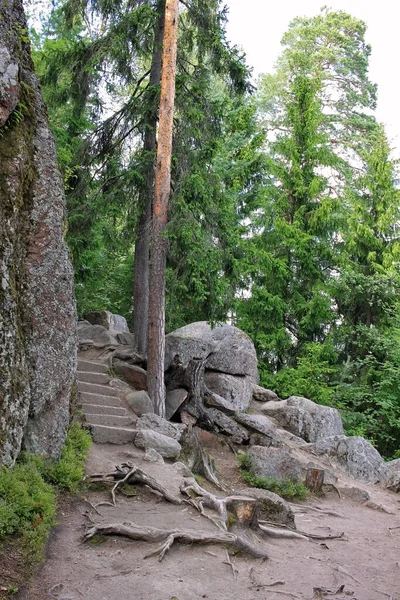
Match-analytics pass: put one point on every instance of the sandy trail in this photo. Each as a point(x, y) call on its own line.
point(366, 562)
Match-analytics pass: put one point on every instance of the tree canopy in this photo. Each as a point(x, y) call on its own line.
point(283, 213)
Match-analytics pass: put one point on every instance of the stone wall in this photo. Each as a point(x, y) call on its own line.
point(37, 306)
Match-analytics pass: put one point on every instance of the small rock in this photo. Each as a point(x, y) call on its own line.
point(153, 456)
point(160, 425)
point(182, 469)
point(263, 394)
point(166, 446)
point(140, 403)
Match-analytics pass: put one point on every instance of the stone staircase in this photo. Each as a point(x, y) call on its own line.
point(109, 420)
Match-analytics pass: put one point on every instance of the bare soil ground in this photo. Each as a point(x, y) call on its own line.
point(364, 565)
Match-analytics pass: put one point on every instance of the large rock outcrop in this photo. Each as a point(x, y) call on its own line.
point(225, 348)
point(304, 418)
point(358, 456)
point(37, 308)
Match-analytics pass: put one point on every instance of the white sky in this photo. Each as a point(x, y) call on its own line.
point(258, 25)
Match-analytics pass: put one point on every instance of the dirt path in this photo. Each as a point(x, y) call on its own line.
point(366, 562)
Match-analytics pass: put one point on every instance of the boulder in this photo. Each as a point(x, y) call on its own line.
point(263, 394)
point(393, 470)
point(132, 374)
point(271, 507)
point(258, 423)
point(174, 399)
point(191, 341)
point(125, 339)
point(305, 418)
point(226, 348)
point(164, 445)
point(234, 353)
point(128, 355)
point(96, 335)
point(359, 458)
point(140, 403)
point(108, 320)
point(273, 463)
point(160, 425)
point(228, 425)
point(235, 390)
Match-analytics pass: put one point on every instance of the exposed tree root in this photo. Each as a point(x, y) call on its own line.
point(131, 474)
point(239, 509)
point(169, 536)
point(197, 460)
point(307, 507)
point(273, 529)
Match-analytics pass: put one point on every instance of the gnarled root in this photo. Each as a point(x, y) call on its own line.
point(169, 536)
point(239, 509)
point(131, 474)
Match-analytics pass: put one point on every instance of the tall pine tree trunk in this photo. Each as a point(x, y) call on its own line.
point(156, 332)
point(142, 244)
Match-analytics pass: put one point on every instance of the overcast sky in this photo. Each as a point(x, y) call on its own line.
point(258, 25)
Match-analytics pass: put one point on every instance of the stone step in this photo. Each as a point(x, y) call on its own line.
point(111, 420)
point(101, 409)
point(103, 434)
point(90, 377)
point(99, 399)
point(93, 388)
point(93, 367)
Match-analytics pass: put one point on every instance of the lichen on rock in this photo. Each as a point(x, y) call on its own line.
point(37, 307)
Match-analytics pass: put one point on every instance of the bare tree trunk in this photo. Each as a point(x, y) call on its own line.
point(156, 331)
point(142, 244)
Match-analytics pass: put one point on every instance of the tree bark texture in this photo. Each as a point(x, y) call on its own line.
point(156, 331)
point(37, 307)
point(142, 244)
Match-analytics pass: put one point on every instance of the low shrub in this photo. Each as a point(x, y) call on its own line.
point(28, 492)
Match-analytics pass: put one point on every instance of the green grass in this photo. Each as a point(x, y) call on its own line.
point(287, 488)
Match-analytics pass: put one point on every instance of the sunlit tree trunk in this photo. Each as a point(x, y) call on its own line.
point(156, 331)
point(142, 244)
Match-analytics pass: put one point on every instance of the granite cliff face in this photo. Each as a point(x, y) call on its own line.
point(37, 307)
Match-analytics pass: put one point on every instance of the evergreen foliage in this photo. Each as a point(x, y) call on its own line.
point(284, 209)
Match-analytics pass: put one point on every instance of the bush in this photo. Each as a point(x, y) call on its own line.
point(27, 494)
point(68, 472)
point(27, 505)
